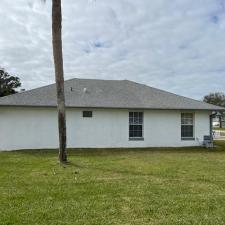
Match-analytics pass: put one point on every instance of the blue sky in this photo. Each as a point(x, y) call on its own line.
point(178, 46)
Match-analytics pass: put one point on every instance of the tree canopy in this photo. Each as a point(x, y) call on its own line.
point(217, 98)
point(8, 83)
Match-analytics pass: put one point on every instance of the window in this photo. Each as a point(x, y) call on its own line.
point(87, 113)
point(187, 126)
point(136, 125)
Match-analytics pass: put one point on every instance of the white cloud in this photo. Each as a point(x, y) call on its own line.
point(173, 45)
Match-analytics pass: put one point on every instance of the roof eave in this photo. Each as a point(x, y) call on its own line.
point(108, 107)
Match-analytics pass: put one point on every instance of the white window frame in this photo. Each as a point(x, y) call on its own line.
point(193, 124)
point(138, 124)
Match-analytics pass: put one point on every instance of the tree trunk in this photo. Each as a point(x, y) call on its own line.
point(220, 120)
point(59, 77)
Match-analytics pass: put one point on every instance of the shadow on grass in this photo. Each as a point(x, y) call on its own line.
point(130, 152)
point(220, 144)
point(97, 152)
point(112, 170)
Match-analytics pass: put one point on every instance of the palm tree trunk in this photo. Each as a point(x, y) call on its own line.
point(220, 121)
point(59, 77)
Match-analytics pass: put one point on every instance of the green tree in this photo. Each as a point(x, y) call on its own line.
point(8, 83)
point(217, 98)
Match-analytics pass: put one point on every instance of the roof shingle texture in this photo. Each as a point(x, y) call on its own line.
point(93, 93)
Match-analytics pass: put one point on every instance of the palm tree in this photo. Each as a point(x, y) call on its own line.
point(59, 76)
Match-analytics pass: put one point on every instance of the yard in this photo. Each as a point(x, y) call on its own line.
point(217, 128)
point(154, 186)
point(221, 131)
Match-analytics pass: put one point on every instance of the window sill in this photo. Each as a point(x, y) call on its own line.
point(187, 139)
point(136, 139)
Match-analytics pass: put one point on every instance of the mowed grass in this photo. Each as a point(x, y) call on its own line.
point(222, 131)
point(217, 128)
point(126, 186)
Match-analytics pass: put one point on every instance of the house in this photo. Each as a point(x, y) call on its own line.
point(103, 114)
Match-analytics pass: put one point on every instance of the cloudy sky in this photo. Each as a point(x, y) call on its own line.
point(176, 45)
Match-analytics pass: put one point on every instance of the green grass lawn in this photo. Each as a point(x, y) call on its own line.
point(151, 186)
point(217, 128)
point(222, 133)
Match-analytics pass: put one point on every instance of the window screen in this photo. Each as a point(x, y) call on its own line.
point(187, 125)
point(87, 113)
point(135, 124)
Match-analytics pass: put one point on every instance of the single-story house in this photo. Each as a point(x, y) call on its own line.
point(103, 114)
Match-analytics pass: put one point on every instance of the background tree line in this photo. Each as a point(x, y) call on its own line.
point(8, 83)
point(217, 98)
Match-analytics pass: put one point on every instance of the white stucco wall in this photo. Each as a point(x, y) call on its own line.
point(35, 128)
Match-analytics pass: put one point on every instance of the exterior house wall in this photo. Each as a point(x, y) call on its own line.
point(36, 128)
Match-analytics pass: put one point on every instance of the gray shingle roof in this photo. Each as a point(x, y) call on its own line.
point(106, 94)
